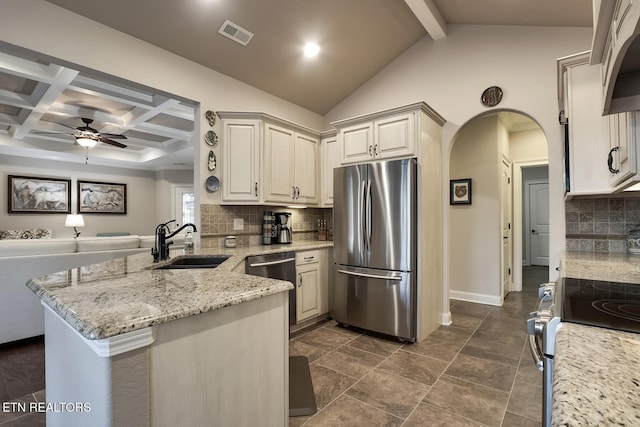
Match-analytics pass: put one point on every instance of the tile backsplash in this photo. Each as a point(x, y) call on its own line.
point(601, 225)
point(217, 222)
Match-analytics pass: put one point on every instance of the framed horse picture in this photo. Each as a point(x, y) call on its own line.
point(36, 195)
point(102, 197)
point(460, 192)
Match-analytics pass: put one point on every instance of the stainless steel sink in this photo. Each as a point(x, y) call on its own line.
point(193, 262)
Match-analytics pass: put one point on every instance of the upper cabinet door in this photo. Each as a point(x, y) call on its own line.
point(357, 143)
point(306, 169)
point(394, 137)
point(240, 160)
point(330, 160)
point(622, 145)
point(279, 164)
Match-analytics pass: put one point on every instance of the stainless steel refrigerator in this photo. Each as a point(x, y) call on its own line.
point(375, 260)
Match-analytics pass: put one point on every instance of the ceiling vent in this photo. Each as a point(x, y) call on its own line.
point(235, 32)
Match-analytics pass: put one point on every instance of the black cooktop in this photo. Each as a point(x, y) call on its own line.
point(610, 305)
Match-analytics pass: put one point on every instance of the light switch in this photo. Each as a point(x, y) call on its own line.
point(238, 224)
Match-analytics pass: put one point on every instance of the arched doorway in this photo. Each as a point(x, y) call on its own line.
point(498, 151)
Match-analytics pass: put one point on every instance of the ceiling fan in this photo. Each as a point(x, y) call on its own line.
point(87, 136)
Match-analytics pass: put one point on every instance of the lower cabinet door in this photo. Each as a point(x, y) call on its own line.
point(307, 291)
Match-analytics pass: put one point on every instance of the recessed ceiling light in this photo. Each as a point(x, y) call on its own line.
point(311, 50)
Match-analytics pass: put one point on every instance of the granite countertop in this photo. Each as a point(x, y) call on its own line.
point(126, 294)
point(596, 377)
point(597, 371)
point(612, 267)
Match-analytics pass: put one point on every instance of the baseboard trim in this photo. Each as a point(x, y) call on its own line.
point(477, 298)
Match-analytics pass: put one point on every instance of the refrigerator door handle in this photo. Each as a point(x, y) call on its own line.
point(371, 276)
point(369, 226)
point(363, 206)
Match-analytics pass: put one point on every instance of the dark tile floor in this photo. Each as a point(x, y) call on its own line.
point(21, 381)
point(475, 372)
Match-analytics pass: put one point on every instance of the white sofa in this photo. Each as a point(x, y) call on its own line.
point(21, 315)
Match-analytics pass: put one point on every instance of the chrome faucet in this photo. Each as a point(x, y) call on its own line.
point(160, 251)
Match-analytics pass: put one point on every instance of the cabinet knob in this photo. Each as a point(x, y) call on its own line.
point(256, 188)
point(371, 150)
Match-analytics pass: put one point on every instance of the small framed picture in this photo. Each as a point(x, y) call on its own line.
point(36, 195)
point(460, 191)
point(102, 197)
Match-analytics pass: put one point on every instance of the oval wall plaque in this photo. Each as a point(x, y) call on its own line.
point(491, 96)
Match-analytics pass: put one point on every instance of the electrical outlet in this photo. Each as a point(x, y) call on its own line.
point(238, 224)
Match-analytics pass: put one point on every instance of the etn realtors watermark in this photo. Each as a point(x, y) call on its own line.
point(57, 407)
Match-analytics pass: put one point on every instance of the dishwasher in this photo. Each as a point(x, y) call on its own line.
point(281, 266)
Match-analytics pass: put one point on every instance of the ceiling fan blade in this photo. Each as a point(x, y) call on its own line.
point(108, 141)
point(51, 133)
point(63, 125)
point(113, 135)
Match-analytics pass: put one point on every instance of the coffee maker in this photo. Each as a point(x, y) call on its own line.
point(282, 228)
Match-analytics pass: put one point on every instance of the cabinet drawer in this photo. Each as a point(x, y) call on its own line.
point(307, 257)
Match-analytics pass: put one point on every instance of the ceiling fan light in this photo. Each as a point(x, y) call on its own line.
point(87, 142)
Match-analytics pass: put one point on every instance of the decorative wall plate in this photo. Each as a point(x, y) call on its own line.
point(491, 96)
point(211, 138)
point(212, 184)
point(211, 162)
point(211, 117)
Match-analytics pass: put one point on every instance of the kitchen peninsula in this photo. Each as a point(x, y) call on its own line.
point(137, 345)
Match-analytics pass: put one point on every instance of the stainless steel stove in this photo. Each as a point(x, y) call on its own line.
point(603, 304)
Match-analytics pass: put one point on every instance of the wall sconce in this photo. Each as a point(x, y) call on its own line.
point(74, 220)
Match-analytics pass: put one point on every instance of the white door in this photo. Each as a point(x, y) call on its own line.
point(539, 223)
point(506, 219)
point(183, 204)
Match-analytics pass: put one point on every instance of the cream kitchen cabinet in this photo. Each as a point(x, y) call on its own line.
point(588, 130)
point(329, 159)
point(622, 158)
point(240, 152)
point(602, 149)
point(616, 45)
point(307, 291)
point(312, 288)
point(384, 137)
point(290, 166)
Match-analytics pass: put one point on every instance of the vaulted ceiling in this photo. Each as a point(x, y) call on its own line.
point(357, 38)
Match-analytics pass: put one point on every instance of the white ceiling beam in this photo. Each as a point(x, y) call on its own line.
point(430, 17)
point(47, 96)
point(26, 69)
point(138, 116)
point(15, 99)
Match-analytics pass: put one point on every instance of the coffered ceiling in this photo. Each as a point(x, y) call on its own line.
point(357, 39)
point(42, 102)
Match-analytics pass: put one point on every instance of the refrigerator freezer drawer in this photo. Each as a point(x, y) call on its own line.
point(377, 300)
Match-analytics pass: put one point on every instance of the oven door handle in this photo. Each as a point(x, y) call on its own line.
point(536, 353)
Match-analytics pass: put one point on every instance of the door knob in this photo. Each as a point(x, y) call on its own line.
point(533, 231)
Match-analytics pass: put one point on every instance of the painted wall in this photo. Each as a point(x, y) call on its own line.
point(528, 145)
point(144, 190)
point(450, 75)
point(474, 229)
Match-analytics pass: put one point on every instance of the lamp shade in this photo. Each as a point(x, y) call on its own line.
point(74, 220)
point(87, 142)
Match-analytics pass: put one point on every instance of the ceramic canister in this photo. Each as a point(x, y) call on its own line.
point(267, 227)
